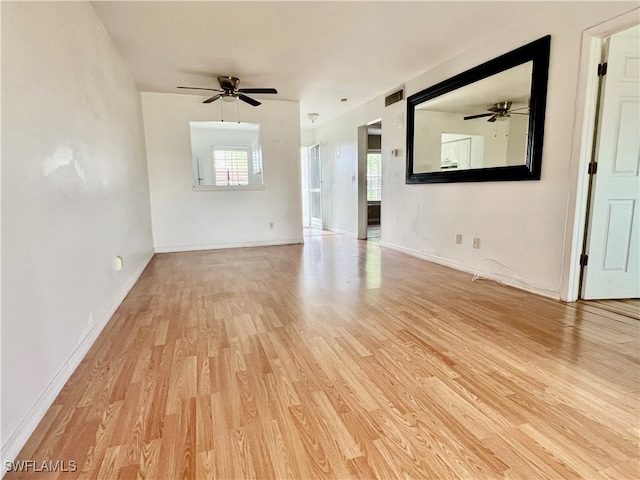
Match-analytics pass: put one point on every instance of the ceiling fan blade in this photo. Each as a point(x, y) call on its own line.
point(511, 112)
point(249, 100)
point(516, 109)
point(200, 88)
point(257, 90)
point(212, 99)
point(493, 119)
point(471, 117)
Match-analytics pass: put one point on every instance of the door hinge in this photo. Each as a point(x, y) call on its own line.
point(584, 259)
point(593, 168)
point(602, 69)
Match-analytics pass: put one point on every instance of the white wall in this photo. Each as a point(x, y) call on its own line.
point(307, 137)
point(339, 156)
point(521, 224)
point(188, 220)
point(74, 195)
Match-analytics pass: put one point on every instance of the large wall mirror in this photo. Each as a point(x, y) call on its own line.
point(226, 156)
point(485, 124)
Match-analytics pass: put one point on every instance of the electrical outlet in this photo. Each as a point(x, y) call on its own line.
point(476, 242)
point(270, 225)
point(458, 238)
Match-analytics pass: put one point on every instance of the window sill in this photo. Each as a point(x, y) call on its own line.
point(226, 188)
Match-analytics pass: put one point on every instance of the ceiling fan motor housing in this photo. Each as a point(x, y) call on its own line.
point(229, 83)
point(502, 106)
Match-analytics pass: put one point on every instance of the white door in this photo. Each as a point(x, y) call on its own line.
point(315, 186)
point(613, 268)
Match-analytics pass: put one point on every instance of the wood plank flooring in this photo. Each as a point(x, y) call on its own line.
point(629, 307)
point(338, 359)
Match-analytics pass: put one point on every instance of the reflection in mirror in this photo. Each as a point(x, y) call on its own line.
point(484, 124)
point(226, 155)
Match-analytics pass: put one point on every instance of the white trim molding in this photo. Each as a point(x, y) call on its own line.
point(514, 282)
point(220, 246)
point(343, 232)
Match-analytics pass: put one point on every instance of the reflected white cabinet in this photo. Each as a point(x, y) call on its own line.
point(455, 154)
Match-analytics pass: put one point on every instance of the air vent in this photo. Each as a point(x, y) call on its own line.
point(393, 98)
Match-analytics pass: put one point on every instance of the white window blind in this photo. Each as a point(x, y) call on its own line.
point(231, 166)
point(374, 177)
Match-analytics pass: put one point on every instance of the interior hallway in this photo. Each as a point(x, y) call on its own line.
point(338, 359)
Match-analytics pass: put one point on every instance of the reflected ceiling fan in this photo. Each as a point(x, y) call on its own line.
point(498, 111)
point(229, 91)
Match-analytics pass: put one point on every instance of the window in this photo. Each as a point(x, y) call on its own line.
point(231, 166)
point(374, 176)
point(257, 157)
point(226, 156)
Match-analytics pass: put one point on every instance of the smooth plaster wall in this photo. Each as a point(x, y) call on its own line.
point(74, 195)
point(184, 219)
point(520, 224)
point(338, 141)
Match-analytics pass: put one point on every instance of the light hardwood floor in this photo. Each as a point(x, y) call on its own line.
point(342, 360)
point(629, 307)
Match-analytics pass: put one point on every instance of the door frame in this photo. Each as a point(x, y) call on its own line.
point(363, 149)
point(584, 133)
point(320, 224)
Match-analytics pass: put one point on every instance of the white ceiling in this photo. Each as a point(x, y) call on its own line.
point(512, 85)
point(313, 52)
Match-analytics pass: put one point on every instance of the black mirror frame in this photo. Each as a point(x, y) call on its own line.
point(538, 52)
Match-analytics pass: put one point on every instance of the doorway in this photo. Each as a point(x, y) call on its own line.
point(312, 187)
point(370, 181)
point(610, 260)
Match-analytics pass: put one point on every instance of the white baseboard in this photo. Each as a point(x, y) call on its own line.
point(343, 232)
point(18, 438)
point(466, 268)
point(220, 246)
point(430, 258)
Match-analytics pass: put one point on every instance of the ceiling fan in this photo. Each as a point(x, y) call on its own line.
point(229, 91)
point(498, 111)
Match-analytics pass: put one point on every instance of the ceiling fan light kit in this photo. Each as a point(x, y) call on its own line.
point(229, 91)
